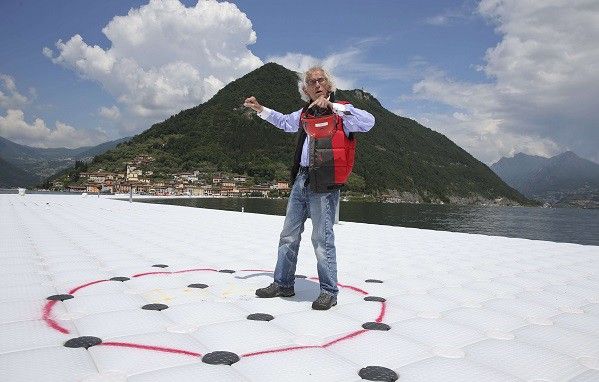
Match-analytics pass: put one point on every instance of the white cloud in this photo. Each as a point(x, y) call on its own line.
point(47, 52)
point(112, 112)
point(165, 57)
point(544, 83)
point(300, 62)
point(482, 136)
point(461, 117)
point(9, 95)
point(451, 16)
point(347, 66)
point(14, 127)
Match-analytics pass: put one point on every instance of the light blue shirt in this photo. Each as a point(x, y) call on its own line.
point(354, 121)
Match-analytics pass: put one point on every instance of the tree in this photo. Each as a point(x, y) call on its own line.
point(355, 183)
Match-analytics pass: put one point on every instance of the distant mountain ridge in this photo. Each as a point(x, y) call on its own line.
point(565, 179)
point(39, 163)
point(13, 176)
point(398, 157)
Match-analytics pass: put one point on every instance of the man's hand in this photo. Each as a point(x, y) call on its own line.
point(322, 103)
point(253, 104)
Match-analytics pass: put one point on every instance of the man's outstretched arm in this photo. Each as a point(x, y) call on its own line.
point(286, 122)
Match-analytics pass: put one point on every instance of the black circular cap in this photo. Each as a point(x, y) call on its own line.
point(227, 271)
point(201, 286)
point(374, 298)
point(378, 373)
point(120, 278)
point(301, 277)
point(220, 358)
point(260, 317)
point(82, 342)
point(60, 297)
point(160, 265)
point(155, 307)
point(374, 281)
point(375, 326)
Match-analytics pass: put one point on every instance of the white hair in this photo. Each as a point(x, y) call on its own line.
point(301, 83)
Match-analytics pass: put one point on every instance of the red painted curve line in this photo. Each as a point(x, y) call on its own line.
point(74, 290)
point(152, 273)
point(197, 270)
point(148, 347)
point(350, 335)
point(355, 289)
point(280, 350)
point(47, 309)
point(47, 312)
point(382, 313)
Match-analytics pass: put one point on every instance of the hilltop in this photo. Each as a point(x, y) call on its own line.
point(563, 180)
point(399, 159)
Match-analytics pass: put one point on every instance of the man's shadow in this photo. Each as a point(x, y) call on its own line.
point(305, 290)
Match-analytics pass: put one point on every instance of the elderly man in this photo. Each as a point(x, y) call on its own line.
point(323, 160)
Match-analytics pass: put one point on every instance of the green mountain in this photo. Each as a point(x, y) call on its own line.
point(564, 180)
point(13, 176)
point(398, 157)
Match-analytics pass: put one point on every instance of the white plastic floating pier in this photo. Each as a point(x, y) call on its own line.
point(94, 289)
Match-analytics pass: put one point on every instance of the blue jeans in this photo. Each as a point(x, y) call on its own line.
point(321, 207)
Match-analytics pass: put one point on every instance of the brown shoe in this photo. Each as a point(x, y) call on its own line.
point(274, 290)
point(324, 302)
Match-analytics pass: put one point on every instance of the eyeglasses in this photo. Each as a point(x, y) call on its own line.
point(320, 81)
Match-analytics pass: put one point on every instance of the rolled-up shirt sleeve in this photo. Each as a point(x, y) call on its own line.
point(354, 120)
point(286, 122)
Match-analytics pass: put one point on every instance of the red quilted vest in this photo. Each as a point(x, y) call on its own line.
point(331, 152)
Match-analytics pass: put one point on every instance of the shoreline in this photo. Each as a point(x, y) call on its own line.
point(367, 199)
point(456, 201)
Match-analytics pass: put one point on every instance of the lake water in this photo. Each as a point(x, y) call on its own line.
point(568, 225)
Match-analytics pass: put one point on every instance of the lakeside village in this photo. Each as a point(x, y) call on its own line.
point(142, 181)
point(195, 183)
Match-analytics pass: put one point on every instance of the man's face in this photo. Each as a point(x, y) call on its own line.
point(317, 85)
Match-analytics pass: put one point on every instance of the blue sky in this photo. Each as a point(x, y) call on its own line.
point(486, 74)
